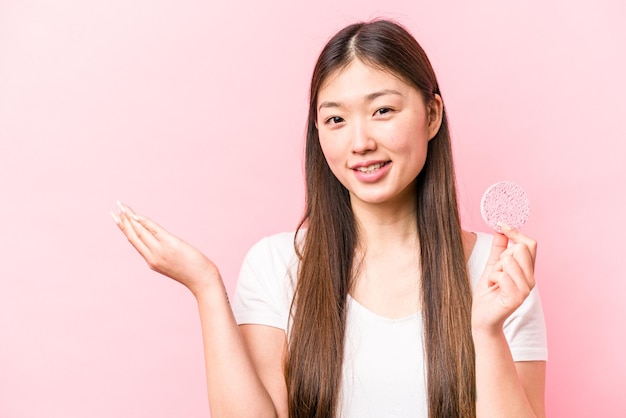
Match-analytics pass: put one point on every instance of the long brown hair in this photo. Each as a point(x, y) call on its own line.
point(315, 351)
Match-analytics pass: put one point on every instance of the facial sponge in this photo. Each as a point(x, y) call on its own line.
point(505, 202)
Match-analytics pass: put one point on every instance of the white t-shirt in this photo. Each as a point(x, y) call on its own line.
point(383, 368)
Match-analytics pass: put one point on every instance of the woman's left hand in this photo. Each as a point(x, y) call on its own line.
point(506, 282)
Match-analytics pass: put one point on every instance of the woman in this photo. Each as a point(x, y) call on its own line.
point(380, 305)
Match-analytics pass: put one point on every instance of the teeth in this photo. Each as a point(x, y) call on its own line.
point(370, 168)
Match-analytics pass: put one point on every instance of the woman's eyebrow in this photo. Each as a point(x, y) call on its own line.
point(385, 92)
point(370, 97)
point(329, 104)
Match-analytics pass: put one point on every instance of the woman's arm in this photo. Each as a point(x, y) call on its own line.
point(504, 387)
point(533, 377)
point(267, 347)
point(233, 383)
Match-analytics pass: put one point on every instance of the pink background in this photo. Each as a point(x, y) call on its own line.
point(193, 112)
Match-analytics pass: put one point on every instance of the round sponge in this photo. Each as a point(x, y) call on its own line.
point(505, 202)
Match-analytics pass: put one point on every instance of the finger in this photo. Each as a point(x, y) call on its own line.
point(139, 224)
point(144, 234)
point(484, 281)
point(523, 282)
point(498, 246)
point(510, 295)
point(524, 259)
point(155, 229)
point(130, 233)
point(508, 252)
point(122, 207)
point(517, 237)
point(129, 210)
point(116, 218)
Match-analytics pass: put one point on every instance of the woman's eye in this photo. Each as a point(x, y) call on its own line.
point(333, 120)
point(382, 111)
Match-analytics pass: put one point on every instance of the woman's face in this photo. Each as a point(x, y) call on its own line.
point(374, 130)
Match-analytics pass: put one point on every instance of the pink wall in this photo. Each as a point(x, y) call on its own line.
point(193, 112)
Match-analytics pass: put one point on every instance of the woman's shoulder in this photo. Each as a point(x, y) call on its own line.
point(279, 247)
point(280, 241)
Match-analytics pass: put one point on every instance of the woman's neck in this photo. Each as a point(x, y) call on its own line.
point(387, 269)
point(386, 228)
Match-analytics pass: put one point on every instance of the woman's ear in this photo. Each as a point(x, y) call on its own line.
point(435, 115)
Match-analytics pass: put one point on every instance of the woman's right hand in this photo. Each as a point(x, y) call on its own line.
point(166, 253)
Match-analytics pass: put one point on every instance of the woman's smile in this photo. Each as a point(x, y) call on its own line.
point(370, 172)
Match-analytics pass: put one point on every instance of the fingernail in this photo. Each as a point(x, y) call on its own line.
point(116, 219)
point(504, 226)
point(135, 217)
point(121, 206)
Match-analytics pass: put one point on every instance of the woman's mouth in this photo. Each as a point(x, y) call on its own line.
point(372, 167)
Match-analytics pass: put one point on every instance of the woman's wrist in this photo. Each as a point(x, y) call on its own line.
point(208, 281)
point(486, 332)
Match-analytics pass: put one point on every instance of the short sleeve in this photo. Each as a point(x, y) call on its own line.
point(525, 329)
point(262, 291)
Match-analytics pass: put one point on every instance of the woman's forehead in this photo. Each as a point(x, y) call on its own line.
point(358, 78)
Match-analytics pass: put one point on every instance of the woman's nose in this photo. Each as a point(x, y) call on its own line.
point(362, 140)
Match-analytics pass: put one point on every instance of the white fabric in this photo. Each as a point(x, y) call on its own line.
point(383, 371)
